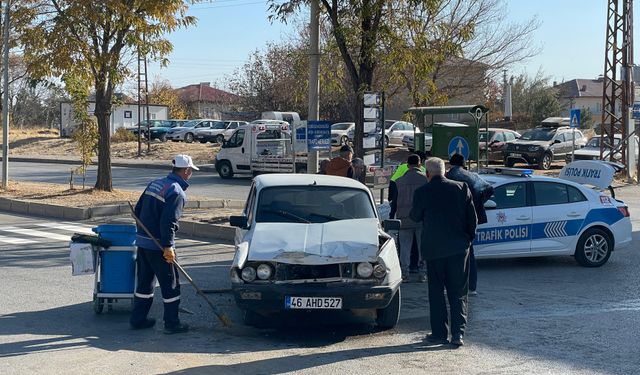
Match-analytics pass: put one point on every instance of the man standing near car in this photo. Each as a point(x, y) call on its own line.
point(159, 209)
point(341, 164)
point(406, 188)
point(481, 191)
point(445, 209)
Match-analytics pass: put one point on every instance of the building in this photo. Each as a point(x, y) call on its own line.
point(204, 101)
point(583, 94)
point(123, 115)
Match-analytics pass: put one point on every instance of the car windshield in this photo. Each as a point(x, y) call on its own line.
point(219, 125)
point(340, 126)
point(312, 204)
point(482, 136)
point(190, 124)
point(595, 142)
point(538, 135)
point(388, 124)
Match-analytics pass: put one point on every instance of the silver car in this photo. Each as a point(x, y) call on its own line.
point(218, 132)
point(394, 132)
point(340, 133)
point(188, 131)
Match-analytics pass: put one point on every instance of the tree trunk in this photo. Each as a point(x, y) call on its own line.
point(103, 114)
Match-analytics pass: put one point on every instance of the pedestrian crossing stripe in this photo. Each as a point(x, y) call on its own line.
point(67, 227)
point(37, 233)
point(15, 240)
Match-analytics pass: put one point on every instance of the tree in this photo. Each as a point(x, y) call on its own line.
point(533, 99)
point(95, 40)
point(162, 93)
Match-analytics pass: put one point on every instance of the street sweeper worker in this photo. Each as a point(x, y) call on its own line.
point(159, 209)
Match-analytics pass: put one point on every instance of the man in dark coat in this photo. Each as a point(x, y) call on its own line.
point(481, 191)
point(445, 209)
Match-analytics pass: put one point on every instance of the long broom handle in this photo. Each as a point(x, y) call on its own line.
point(222, 318)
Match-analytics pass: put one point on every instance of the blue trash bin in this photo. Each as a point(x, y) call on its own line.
point(117, 263)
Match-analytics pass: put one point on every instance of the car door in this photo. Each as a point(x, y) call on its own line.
point(558, 213)
point(508, 228)
point(233, 125)
point(558, 146)
point(238, 154)
point(496, 146)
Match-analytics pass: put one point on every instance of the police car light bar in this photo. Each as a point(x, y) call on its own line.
point(520, 172)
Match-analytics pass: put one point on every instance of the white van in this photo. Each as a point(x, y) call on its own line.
point(292, 118)
point(262, 146)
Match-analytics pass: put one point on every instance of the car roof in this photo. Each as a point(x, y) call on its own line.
point(499, 130)
point(302, 179)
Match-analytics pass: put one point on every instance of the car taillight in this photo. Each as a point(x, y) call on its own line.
point(624, 210)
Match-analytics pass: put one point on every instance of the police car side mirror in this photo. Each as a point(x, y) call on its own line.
point(391, 224)
point(490, 205)
point(238, 221)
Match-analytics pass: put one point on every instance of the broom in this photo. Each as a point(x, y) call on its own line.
point(223, 318)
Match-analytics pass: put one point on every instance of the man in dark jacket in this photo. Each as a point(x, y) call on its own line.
point(341, 165)
point(406, 188)
point(449, 221)
point(481, 191)
point(159, 209)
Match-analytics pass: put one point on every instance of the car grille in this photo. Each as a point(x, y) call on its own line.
point(303, 272)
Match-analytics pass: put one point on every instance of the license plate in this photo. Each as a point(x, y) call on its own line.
point(516, 155)
point(312, 302)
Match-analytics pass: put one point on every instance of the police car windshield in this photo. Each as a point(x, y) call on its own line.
point(539, 134)
point(312, 204)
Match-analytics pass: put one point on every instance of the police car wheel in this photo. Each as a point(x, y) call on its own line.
point(594, 248)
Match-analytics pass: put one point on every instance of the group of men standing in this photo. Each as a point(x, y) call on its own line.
point(441, 212)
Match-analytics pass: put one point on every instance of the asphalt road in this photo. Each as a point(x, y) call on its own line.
point(205, 184)
point(538, 316)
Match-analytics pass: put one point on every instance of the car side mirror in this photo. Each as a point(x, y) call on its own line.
point(557, 141)
point(238, 221)
point(490, 205)
point(391, 224)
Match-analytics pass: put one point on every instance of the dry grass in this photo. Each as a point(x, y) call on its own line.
point(33, 142)
point(61, 194)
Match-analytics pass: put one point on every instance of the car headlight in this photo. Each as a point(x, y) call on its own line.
point(364, 269)
point(248, 274)
point(533, 148)
point(379, 271)
point(264, 271)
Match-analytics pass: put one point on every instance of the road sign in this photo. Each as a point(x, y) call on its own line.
point(372, 100)
point(459, 145)
point(574, 118)
point(636, 111)
point(318, 135)
point(371, 113)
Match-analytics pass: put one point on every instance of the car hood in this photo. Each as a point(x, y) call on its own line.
point(592, 151)
point(180, 128)
point(354, 240)
point(521, 142)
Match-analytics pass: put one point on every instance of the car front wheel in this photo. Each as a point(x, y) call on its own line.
point(220, 139)
point(593, 248)
point(224, 169)
point(545, 162)
point(188, 138)
point(388, 317)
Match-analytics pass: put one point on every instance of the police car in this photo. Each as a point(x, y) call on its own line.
point(543, 216)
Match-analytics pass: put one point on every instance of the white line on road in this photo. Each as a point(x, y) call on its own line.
point(15, 241)
point(67, 227)
point(36, 233)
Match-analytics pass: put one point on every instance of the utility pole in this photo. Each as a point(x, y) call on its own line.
point(146, 94)
point(314, 86)
point(5, 98)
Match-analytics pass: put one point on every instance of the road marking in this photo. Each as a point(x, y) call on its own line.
point(15, 241)
point(36, 233)
point(67, 227)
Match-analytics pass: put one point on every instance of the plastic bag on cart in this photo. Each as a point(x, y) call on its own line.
point(82, 259)
point(384, 210)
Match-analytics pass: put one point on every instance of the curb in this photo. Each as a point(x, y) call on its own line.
point(187, 227)
point(203, 168)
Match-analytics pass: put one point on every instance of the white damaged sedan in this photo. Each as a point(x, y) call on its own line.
point(314, 242)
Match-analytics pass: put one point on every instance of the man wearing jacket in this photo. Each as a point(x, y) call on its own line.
point(341, 165)
point(445, 209)
point(159, 209)
point(481, 191)
point(406, 188)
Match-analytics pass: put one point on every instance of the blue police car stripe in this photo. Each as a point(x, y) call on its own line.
point(551, 229)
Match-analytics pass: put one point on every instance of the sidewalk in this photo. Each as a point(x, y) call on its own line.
point(115, 162)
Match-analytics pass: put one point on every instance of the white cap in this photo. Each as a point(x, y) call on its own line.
point(184, 161)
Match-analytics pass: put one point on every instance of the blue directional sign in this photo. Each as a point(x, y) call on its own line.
point(459, 145)
point(574, 116)
point(636, 111)
point(318, 135)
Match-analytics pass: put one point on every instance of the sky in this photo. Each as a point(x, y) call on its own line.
point(571, 37)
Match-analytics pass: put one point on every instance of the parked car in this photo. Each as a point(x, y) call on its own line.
point(531, 216)
point(492, 142)
point(542, 146)
point(340, 133)
point(314, 242)
point(160, 131)
point(218, 132)
point(187, 131)
point(143, 126)
point(592, 150)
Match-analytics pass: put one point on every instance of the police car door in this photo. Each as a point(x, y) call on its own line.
point(508, 227)
point(558, 213)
